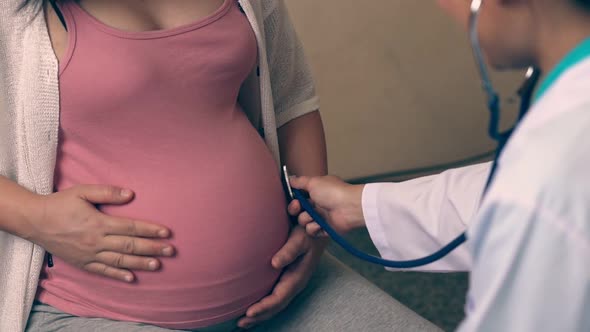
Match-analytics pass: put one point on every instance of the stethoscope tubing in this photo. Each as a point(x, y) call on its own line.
point(306, 205)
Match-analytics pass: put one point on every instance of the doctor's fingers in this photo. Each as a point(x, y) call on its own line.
point(294, 208)
point(304, 218)
point(311, 227)
point(300, 182)
point(315, 230)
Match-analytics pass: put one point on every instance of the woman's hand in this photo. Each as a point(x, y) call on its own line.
point(68, 225)
point(298, 259)
point(338, 202)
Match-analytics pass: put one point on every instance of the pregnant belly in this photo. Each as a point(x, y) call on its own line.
point(224, 203)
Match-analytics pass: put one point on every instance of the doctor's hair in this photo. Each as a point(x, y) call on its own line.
point(583, 4)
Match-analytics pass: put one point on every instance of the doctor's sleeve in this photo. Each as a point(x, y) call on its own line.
point(413, 219)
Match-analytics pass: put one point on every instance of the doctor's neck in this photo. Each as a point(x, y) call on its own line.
point(560, 27)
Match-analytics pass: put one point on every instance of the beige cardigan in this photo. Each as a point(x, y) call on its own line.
point(279, 91)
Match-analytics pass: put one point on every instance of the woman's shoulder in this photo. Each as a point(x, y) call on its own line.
point(15, 23)
point(266, 7)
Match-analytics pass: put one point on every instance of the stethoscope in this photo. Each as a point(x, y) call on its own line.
point(493, 101)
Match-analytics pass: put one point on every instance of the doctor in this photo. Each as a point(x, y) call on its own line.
point(528, 240)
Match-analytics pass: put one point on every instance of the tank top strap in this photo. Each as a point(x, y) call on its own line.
point(69, 19)
point(76, 17)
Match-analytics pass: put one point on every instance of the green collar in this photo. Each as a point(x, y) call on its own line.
point(581, 52)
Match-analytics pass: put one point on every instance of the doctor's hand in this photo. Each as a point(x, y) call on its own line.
point(338, 202)
point(298, 258)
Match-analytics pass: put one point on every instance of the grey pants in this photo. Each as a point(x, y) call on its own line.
point(336, 299)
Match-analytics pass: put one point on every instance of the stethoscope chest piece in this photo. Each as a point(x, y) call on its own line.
point(287, 183)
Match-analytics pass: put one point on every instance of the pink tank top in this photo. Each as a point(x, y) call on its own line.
point(157, 112)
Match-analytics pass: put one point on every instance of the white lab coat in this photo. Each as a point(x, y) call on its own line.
point(415, 218)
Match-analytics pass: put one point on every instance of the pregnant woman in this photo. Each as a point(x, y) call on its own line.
point(148, 100)
point(158, 112)
point(131, 151)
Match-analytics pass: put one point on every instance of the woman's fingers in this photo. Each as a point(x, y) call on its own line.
point(130, 227)
point(109, 271)
point(136, 246)
point(103, 194)
point(128, 262)
point(297, 244)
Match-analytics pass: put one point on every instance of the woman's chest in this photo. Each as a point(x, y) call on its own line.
point(133, 16)
point(202, 64)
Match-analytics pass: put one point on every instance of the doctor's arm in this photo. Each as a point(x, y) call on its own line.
point(415, 218)
point(406, 220)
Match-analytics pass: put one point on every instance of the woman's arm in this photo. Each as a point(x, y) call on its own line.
point(303, 146)
point(303, 149)
point(68, 225)
point(17, 208)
